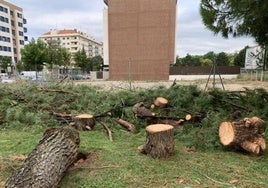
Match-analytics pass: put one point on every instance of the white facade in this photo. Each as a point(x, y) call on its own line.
point(12, 31)
point(74, 40)
point(105, 38)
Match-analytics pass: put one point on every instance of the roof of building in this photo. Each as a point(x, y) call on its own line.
point(62, 32)
point(107, 2)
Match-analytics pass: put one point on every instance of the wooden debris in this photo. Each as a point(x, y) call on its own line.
point(140, 111)
point(108, 131)
point(159, 141)
point(195, 117)
point(245, 134)
point(46, 164)
point(129, 126)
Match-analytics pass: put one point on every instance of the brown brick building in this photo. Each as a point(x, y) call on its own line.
point(141, 35)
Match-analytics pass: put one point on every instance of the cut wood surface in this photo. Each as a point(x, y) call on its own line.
point(46, 164)
point(159, 141)
point(246, 134)
point(84, 122)
point(160, 102)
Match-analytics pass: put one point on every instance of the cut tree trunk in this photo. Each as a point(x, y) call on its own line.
point(46, 164)
point(84, 122)
point(245, 134)
point(159, 141)
point(140, 111)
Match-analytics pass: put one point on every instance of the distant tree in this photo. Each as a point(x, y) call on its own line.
point(222, 59)
point(5, 62)
point(66, 57)
point(81, 60)
point(206, 62)
point(96, 62)
point(187, 60)
point(19, 66)
point(210, 55)
point(33, 55)
point(178, 61)
point(236, 18)
point(239, 59)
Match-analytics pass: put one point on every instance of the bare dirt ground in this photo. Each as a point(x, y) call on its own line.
point(229, 85)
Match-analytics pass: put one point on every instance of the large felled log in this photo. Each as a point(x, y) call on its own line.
point(159, 141)
point(84, 122)
point(245, 134)
point(46, 164)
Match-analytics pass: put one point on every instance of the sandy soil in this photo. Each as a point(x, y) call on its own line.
point(230, 85)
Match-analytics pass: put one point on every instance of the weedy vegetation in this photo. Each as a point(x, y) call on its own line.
point(199, 161)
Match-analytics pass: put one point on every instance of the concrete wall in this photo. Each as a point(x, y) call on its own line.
point(141, 38)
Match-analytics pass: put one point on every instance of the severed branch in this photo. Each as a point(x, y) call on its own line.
point(55, 90)
point(108, 131)
point(129, 126)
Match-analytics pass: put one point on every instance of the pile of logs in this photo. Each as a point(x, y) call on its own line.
point(246, 134)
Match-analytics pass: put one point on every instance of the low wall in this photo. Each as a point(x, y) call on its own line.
point(201, 77)
point(204, 70)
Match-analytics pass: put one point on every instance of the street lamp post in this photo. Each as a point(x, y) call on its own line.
point(129, 73)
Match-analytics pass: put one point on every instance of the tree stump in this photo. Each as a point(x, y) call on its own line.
point(245, 134)
point(84, 122)
point(160, 102)
point(46, 164)
point(159, 141)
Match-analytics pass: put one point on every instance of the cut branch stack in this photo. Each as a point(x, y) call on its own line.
point(246, 134)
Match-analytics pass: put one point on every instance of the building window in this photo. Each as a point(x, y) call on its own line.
point(20, 24)
point(20, 33)
point(3, 9)
point(21, 42)
point(4, 29)
point(19, 15)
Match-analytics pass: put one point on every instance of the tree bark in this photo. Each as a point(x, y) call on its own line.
point(245, 134)
point(159, 141)
point(46, 164)
point(140, 111)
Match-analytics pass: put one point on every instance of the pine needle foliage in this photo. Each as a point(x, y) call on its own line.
point(30, 104)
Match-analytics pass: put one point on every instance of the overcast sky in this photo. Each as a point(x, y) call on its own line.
point(86, 15)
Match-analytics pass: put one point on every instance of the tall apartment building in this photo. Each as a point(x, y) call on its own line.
point(141, 38)
point(74, 40)
point(12, 31)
